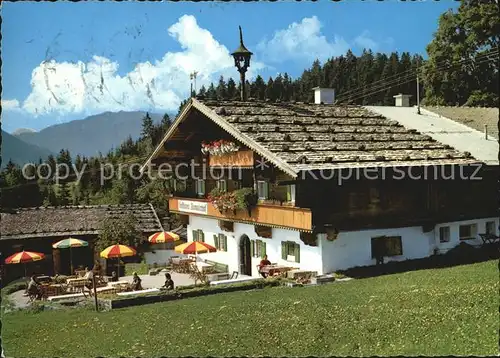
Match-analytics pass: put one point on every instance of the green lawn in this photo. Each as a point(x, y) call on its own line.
point(451, 311)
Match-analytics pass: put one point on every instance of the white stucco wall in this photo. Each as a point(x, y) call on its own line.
point(455, 229)
point(309, 256)
point(353, 248)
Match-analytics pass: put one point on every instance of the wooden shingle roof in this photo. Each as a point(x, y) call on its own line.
point(72, 220)
point(311, 136)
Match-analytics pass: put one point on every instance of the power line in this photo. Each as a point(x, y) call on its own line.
point(483, 59)
point(398, 76)
point(405, 80)
point(401, 81)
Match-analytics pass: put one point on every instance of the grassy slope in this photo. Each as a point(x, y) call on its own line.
point(431, 312)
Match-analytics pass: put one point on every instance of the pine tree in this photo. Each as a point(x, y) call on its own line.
point(147, 126)
point(221, 90)
point(231, 89)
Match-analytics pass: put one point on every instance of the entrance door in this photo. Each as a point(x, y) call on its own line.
point(245, 258)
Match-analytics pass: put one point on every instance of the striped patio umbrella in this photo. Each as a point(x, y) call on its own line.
point(118, 251)
point(70, 243)
point(194, 247)
point(24, 257)
point(162, 237)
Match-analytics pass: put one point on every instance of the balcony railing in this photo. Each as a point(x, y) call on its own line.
point(279, 216)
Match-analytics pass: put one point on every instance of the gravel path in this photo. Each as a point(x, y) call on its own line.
point(20, 301)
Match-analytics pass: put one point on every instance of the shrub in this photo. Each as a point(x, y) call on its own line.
point(140, 268)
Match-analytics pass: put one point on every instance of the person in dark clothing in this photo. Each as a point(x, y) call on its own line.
point(114, 276)
point(264, 262)
point(169, 283)
point(136, 282)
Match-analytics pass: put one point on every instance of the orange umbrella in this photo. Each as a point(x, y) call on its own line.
point(162, 237)
point(118, 251)
point(24, 257)
point(194, 247)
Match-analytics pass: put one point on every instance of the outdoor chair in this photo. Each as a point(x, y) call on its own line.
point(234, 275)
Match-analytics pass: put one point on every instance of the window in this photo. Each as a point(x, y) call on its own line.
point(220, 242)
point(490, 227)
point(200, 187)
point(264, 231)
point(386, 246)
point(444, 234)
point(180, 185)
point(198, 235)
point(290, 251)
point(222, 185)
point(290, 193)
point(262, 189)
point(468, 232)
point(258, 248)
point(226, 225)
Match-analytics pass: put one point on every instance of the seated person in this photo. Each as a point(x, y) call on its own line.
point(169, 283)
point(89, 275)
point(136, 282)
point(264, 262)
point(114, 276)
point(34, 288)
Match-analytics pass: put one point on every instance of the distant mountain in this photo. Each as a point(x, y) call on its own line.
point(23, 130)
point(19, 151)
point(89, 136)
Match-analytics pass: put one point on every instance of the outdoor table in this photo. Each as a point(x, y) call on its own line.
point(273, 270)
point(202, 266)
point(43, 279)
point(77, 284)
point(489, 238)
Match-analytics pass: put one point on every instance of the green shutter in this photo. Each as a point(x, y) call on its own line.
point(297, 252)
point(284, 249)
point(195, 235)
point(263, 249)
point(225, 242)
point(216, 242)
point(252, 248)
point(202, 236)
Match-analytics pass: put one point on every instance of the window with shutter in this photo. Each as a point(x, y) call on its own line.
point(200, 187)
point(225, 243)
point(222, 185)
point(216, 242)
point(290, 193)
point(297, 252)
point(284, 249)
point(252, 248)
point(263, 250)
point(262, 189)
point(202, 236)
point(195, 235)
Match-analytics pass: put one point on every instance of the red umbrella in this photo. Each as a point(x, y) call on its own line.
point(24, 257)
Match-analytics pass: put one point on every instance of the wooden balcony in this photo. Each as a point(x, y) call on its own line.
point(277, 216)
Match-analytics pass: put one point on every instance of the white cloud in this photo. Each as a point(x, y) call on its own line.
point(365, 41)
point(302, 41)
point(66, 88)
point(10, 105)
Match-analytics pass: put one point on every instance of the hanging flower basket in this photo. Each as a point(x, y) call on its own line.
point(219, 147)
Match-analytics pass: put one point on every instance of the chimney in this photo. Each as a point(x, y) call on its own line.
point(402, 100)
point(324, 95)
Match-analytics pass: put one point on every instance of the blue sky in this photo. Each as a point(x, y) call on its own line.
point(68, 60)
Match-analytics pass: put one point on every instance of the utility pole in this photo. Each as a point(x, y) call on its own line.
point(418, 89)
